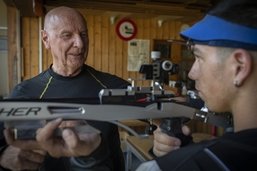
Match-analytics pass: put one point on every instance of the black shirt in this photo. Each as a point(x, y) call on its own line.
point(86, 84)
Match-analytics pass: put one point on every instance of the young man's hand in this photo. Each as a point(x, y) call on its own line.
point(164, 143)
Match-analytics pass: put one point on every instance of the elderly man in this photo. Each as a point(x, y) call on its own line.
point(65, 35)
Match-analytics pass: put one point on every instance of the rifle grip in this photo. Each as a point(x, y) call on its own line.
point(173, 127)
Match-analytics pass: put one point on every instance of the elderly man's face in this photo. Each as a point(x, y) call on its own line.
point(67, 39)
point(213, 77)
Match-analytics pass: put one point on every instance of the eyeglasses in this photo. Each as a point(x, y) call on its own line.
point(190, 46)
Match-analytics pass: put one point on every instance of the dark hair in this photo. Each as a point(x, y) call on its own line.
point(243, 12)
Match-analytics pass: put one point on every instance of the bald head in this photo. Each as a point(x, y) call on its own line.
point(65, 35)
point(53, 17)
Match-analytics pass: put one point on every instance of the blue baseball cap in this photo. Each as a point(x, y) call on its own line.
point(215, 31)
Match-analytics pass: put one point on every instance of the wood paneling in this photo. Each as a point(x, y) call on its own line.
point(30, 44)
point(105, 42)
point(13, 46)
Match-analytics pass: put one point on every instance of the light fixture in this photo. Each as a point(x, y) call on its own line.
point(159, 22)
point(112, 19)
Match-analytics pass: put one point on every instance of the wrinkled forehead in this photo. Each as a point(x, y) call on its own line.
point(65, 20)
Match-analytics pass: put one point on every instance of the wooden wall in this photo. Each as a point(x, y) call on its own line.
point(107, 52)
point(30, 47)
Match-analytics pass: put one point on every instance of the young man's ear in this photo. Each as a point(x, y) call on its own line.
point(243, 61)
point(45, 39)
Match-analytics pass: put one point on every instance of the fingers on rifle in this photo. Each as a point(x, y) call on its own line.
point(22, 144)
point(48, 130)
point(186, 130)
point(163, 138)
point(161, 149)
point(9, 135)
point(70, 138)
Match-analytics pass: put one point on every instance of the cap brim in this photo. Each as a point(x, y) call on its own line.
point(212, 28)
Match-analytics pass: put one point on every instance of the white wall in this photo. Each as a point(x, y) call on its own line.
point(3, 50)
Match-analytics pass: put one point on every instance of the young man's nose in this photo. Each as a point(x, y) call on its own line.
point(192, 72)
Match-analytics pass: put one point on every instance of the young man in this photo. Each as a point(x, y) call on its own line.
point(224, 44)
point(65, 35)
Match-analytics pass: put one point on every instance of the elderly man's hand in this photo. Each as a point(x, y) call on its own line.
point(21, 154)
point(70, 143)
point(14, 158)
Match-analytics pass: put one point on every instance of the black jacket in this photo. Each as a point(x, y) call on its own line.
point(233, 151)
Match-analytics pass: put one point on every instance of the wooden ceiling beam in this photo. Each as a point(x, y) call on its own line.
point(30, 8)
point(139, 7)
